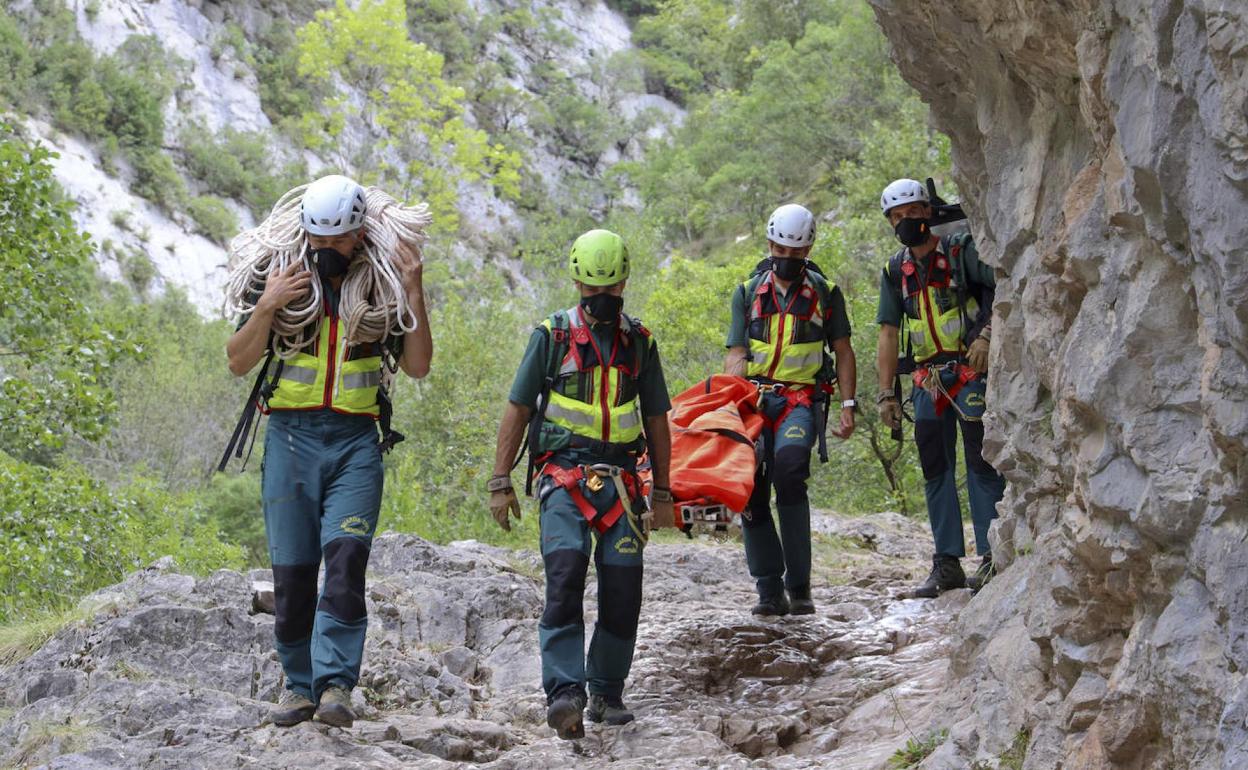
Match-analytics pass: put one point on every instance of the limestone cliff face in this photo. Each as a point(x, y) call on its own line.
point(1102, 147)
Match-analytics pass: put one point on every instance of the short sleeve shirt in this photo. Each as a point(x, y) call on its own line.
point(835, 320)
point(651, 386)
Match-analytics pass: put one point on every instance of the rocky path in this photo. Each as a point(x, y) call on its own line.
point(175, 672)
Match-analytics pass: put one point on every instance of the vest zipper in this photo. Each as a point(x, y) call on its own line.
point(332, 357)
point(931, 322)
point(604, 375)
point(775, 359)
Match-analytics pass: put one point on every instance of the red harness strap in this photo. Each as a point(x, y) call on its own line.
point(943, 398)
point(573, 480)
point(795, 398)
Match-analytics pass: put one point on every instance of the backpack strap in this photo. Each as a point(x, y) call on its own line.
point(557, 347)
point(260, 390)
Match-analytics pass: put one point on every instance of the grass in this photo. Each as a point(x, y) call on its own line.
point(915, 751)
point(1016, 754)
point(64, 738)
point(128, 671)
point(20, 638)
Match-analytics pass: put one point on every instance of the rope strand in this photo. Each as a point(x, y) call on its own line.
point(372, 302)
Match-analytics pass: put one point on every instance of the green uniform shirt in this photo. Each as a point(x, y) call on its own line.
point(890, 308)
point(651, 387)
point(835, 322)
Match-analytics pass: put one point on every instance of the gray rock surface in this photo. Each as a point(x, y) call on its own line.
point(178, 672)
point(1102, 149)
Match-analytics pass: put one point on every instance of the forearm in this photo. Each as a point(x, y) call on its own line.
point(417, 344)
point(734, 362)
point(886, 356)
point(248, 345)
point(510, 434)
point(846, 368)
point(659, 438)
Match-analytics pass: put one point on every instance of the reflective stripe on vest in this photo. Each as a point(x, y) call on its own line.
point(600, 418)
point(305, 380)
point(933, 334)
point(797, 362)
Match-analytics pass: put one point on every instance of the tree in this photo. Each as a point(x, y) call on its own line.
point(56, 354)
point(399, 122)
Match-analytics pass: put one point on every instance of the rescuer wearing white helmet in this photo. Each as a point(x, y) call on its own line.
point(322, 472)
point(939, 291)
point(785, 319)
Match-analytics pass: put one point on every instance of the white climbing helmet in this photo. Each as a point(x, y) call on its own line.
point(791, 225)
point(332, 205)
point(901, 192)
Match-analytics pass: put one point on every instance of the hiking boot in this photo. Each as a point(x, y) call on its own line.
point(980, 577)
point(564, 713)
point(799, 601)
point(772, 605)
point(335, 708)
point(946, 575)
point(609, 709)
point(292, 709)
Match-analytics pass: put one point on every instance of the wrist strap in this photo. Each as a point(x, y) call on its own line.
point(661, 495)
point(498, 484)
point(886, 394)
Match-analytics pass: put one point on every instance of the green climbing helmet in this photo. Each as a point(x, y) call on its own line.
point(599, 258)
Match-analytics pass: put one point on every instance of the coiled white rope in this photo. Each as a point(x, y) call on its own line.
point(372, 301)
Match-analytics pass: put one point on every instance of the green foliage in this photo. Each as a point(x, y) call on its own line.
point(175, 413)
point(58, 354)
point(16, 65)
point(807, 107)
point(213, 218)
point(284, 93)
point(915, 751)
point(231, 502)
point(116, 100)
point(239, 165)
point(62, 534)
point(418, 113)
point(158, 180)
point(435, 481)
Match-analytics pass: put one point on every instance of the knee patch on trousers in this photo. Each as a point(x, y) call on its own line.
point(929, 435)
point(294, 600)
point(792, 468)
point(346, 560)
point(565, 587)
point(620, 606)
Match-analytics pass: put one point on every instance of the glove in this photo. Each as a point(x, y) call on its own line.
point(890, 412)
point(663, 508)
point(503, 500)
point(977, 355)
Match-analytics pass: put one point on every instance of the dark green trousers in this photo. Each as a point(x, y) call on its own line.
point(567, 543)
point(322, 480)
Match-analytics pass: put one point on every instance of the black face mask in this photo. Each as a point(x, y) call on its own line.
point(330, 263)
point(787, 269)
point(603, 307)
point(913, 232)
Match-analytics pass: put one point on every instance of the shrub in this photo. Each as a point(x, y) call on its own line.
point(213, 218)
point(63, 534)
point(158, 180)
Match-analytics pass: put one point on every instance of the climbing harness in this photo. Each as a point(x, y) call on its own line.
point(931, 380)
point(579, 478)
